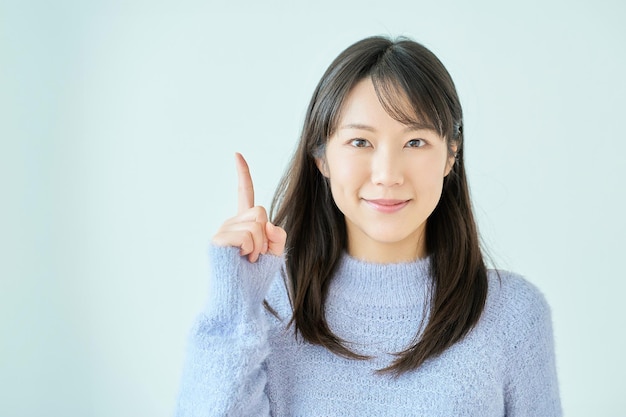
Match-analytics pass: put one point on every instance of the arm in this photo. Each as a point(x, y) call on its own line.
point(228, 343)
point(223, 374)
point(532, 388)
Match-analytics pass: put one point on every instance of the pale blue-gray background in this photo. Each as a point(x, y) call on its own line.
point(118, 124)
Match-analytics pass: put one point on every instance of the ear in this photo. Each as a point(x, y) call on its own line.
point(451, 159)
point(321, 165)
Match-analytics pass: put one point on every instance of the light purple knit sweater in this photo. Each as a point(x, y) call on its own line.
point(243, 361)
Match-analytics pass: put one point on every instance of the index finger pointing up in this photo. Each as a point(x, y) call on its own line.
point(246, 189)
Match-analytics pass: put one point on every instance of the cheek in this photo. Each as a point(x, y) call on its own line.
point(429, 174)
point(346, 173)
point(428, 190)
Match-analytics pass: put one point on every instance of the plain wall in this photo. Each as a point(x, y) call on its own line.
point(118, 125)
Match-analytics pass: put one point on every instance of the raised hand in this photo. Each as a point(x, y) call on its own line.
point(250, 229)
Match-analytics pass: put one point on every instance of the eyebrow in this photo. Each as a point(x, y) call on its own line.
point(410, 127)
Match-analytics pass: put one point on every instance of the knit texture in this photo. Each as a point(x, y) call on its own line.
point(244, 361)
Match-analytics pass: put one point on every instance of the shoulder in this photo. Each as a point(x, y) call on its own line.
point(516, 304)
point(515, 292)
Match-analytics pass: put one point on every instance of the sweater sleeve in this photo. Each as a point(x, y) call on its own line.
point(531, 388)
point(223, 372)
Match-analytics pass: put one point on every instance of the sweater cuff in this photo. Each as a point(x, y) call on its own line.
point(238, 286)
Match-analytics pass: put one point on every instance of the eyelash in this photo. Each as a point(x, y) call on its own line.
point(421, 141)
point(362, 143)
point(354, 142)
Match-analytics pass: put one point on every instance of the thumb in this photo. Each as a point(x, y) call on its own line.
point(276, 237)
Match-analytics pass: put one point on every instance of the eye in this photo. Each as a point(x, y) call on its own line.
point(415, 143)
point(359, 143)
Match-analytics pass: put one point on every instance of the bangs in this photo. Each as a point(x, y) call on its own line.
point(409, 96)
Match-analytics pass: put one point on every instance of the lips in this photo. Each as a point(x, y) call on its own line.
point(387, 205)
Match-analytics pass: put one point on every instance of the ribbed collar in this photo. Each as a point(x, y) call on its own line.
point(384, 285)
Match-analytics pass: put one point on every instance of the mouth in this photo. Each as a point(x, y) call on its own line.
point(387, 205)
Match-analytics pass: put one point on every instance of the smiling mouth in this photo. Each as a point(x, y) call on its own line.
point(387, 206)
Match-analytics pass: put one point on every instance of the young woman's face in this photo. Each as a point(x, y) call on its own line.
point(385, 177)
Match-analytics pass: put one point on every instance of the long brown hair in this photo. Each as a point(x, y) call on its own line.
point(400, 70)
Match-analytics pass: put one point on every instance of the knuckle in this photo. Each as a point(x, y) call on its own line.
point(257, 232)
point(259, 211)
point(247, 244)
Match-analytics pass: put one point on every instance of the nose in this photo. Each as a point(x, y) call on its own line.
point(387, 168)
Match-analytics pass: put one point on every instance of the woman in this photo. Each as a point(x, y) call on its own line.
point(368, 293)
